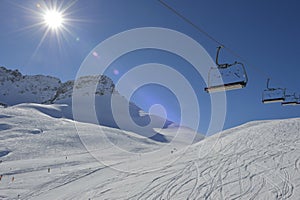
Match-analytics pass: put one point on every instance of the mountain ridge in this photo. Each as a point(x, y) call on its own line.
point(16, 88)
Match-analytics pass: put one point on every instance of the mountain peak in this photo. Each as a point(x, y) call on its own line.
point(16, 88)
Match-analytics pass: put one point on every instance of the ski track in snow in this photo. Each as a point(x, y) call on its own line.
point(258, 160)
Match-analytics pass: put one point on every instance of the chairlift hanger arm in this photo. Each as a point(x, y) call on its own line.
point(268, 86)
point(268, 82)
point(223, 65)
point(272, 89)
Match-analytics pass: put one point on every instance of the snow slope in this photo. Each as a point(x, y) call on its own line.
point(258, 160)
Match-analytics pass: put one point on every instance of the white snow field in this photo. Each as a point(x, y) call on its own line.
point(42, 157)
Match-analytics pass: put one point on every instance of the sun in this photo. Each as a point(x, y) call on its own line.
point(53, 19)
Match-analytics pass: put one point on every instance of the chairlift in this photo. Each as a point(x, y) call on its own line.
point(226, 76)
point(291, 100)
point(273, 95)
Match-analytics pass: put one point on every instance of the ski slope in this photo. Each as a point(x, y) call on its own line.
point(258, 160)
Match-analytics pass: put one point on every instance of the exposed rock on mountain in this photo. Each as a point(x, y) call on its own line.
point(16, 88)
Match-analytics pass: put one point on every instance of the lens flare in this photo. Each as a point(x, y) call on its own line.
point(116, 72)
point(95, 54)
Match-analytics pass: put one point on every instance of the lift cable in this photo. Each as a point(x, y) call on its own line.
point(191, 23)
point(197, 27)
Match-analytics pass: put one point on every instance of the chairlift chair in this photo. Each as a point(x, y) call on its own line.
point(273, 95)
point(291, 100)
point(226, 76)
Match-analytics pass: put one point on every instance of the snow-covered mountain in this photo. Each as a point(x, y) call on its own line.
point(105, 86)
point(43, 157)
point(16, 88)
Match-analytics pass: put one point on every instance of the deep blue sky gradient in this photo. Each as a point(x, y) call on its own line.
point(265, 33)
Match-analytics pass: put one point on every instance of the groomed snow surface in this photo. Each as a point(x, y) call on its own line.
point(43, 157)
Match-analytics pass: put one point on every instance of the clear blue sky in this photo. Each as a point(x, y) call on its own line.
point(265, 33)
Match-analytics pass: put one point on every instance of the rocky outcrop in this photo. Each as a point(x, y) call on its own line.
point(16, 88)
